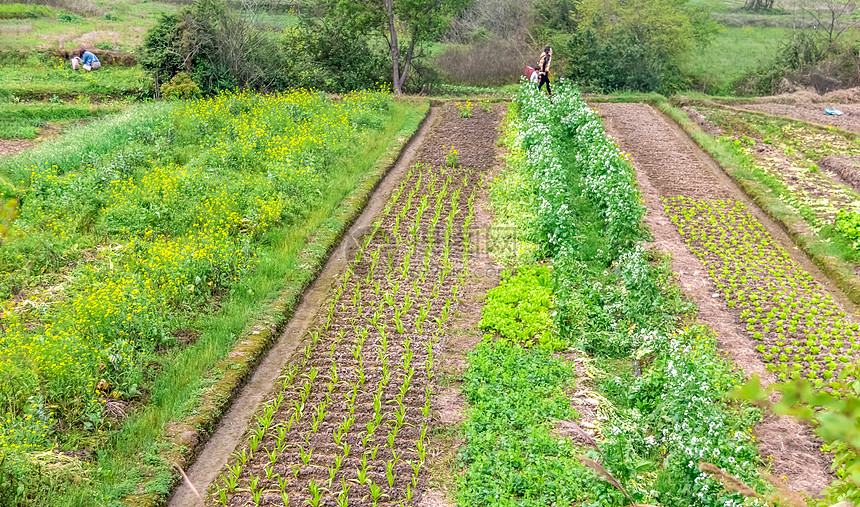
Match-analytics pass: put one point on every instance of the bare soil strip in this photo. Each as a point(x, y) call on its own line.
point(232, 426)
point(668, 164)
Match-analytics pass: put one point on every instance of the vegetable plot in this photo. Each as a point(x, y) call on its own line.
point(653, 422)
point(349, 423)
point(792, 153)
point(801, 330)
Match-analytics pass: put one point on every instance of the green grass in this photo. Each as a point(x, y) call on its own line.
point(733, 53)
point(26, 11)
point(131, 460)
point(33, 78)
point(119, 25)
point(23, 121)
point(277, 19)
point(715, 6)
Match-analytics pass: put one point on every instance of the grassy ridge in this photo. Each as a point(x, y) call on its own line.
point(22, 121)
point(119, 24)
point(42, 78)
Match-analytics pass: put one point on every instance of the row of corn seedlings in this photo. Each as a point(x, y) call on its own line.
point(348, 424)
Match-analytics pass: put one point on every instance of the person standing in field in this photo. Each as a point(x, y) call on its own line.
point(543, 69)
point(87, 60)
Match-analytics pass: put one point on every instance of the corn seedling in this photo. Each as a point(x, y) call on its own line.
point(231, 480)
point(389, 472)
point(375, 493)
point(342, 497)
point(315, 494)
point(305, 455)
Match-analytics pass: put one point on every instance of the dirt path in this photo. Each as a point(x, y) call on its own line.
point(12, 147)
point(232, 427)
point(668, 164)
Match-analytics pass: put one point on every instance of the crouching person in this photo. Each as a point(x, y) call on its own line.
point(85, 59)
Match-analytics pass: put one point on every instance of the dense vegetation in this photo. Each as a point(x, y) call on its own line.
point(617, 302)
point(133, 230)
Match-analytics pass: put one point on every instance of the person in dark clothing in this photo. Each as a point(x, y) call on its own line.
point(543, 69)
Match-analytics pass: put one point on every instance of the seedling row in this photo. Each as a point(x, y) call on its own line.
point(799, 329)
point(349, 422)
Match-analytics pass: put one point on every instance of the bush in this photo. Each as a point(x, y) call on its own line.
point(620, 63)
point(333, 58)
point(180, 87)
point(217, 46)
point(634, 45)
point(161, 53)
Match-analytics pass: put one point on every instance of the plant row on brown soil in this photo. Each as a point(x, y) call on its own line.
point(349, 423)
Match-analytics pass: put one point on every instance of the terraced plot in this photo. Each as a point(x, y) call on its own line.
point(792, 152)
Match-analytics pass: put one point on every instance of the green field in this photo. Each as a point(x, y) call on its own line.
point(118, 26)
point(159, 223)
point(733, 53)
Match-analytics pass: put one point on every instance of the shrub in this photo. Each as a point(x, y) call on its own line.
point(634, 45)
point(217, 45)
point(332, 57)
point(180, 87)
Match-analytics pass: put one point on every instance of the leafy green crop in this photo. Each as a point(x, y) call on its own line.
point(848, 223)
point(519, 308)
point(511, 456)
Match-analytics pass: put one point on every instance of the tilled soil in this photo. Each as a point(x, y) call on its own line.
point(813, 113)
point(824, 192)
point(357, 402)
point(668, 165)
point(845, 168)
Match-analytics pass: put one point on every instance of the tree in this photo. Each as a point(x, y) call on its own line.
point(832, 18)
point(406, 25)
point(631, 44)
point(758, 5)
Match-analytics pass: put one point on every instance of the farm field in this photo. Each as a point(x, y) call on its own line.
point(46, 78)
point(733, 52)
point(351, 417)
point(802, 174)
point(145, 244)
point(771, 299)
point(355, 417)
point(479, 298)
point(116, 26)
